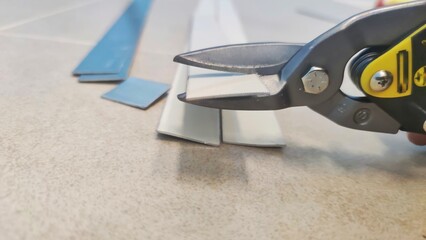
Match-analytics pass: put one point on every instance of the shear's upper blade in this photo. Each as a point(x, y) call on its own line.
point(259, 58)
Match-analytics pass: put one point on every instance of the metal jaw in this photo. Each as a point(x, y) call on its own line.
point(331, 51)
point(260, 58)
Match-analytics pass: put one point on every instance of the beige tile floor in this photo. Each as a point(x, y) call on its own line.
point(74, 166)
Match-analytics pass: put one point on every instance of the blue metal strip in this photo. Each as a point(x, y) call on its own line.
point(102, 77)
point(136, 92)
point(121, 76)
point(116, 49)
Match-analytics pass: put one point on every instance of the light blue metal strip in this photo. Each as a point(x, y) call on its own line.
point(115, 51)
point(121, 76)
point(136, 92)
point(102, 77)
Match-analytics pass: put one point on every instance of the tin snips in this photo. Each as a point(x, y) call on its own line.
point(386, 52)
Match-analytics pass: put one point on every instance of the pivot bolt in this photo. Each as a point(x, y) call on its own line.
point(381, 81)
point(362, 116)
point(315, 80)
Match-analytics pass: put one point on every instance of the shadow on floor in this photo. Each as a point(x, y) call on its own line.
point(217, 165)
point(211, 165)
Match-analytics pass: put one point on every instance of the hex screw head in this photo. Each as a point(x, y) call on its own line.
point(381, 81)
point(315, 81)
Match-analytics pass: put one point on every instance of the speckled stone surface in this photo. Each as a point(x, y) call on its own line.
point(75, 166)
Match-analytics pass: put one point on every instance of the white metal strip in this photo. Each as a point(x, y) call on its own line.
point(246, 127)
point(188, 121)
point(219, 85)
point(219, 24)
point(203, 124)
point(251, 128)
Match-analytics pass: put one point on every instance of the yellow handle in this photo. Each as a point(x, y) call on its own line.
point(406, 62)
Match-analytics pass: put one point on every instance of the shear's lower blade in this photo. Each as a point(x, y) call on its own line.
point(253, 102)
point(259, 58)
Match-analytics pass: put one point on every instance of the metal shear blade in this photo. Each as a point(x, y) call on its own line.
point(252, 58)
point(260, 58)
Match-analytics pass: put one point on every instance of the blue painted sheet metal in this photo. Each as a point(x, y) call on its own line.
point(120, 76)
point(137, 92)
point(115, 51)
point(103, 77)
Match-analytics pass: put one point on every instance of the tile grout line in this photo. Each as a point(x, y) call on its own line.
point(29, 20)
point(57, 40)
point(76, 42)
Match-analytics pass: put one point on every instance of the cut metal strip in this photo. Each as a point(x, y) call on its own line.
point(102, 77)
point(203, 124)
point(194, 123)
point(243, 127)
point(137, 92)
point(249, 128)
point(115, 50)
point(217, 86)
point(221, 26)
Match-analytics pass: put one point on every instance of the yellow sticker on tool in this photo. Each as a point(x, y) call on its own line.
point(420, 77)
point(406, 61)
